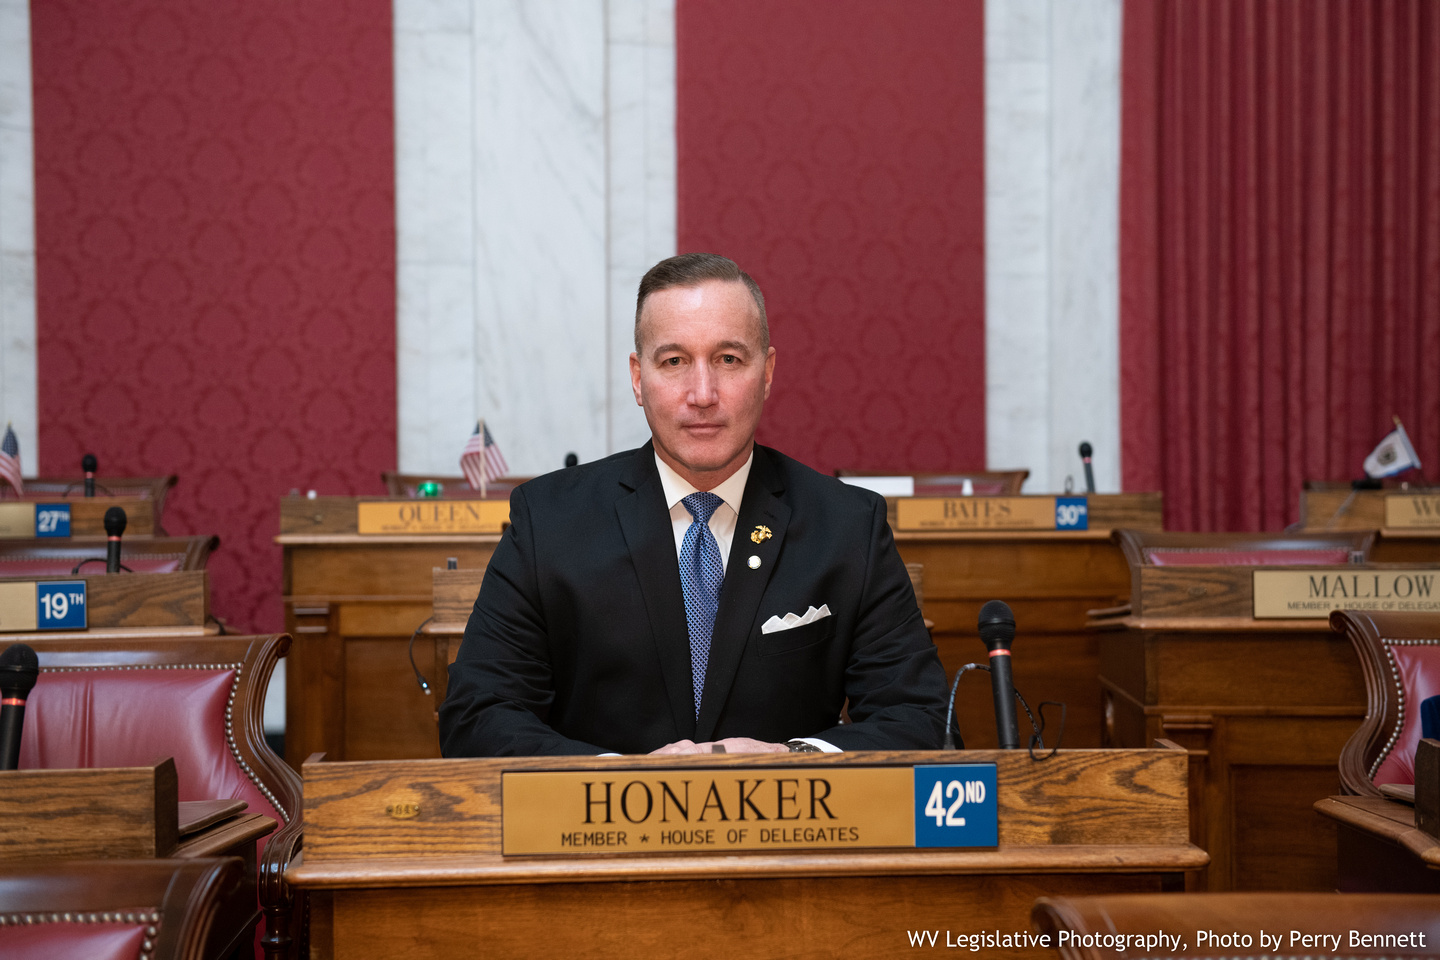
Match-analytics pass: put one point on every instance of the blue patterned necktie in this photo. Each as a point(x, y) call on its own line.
point(701, 574)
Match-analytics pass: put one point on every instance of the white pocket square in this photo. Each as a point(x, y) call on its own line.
point(791, 620)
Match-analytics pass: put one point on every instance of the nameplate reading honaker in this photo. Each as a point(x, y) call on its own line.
point(1301, 594)
point(919, 514)
point(401, 517)
point(1412, 512)
point(693, 811)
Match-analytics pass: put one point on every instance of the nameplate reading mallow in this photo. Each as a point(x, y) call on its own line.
point(26, 605)
point(1303, 594)
point(1413, 511)
point(919, 514)
point(401, 517)
point(623, 812)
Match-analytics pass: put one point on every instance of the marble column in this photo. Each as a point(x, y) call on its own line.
point(18, 402)
point(1052, 132)
point(536, 182)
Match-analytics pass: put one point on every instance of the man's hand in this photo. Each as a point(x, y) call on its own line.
point(728, 745)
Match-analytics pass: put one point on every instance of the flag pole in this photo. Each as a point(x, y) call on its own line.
point(480, 428)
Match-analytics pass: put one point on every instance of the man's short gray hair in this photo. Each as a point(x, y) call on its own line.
point(693, 269)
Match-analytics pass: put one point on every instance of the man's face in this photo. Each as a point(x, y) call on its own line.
point(702, 378)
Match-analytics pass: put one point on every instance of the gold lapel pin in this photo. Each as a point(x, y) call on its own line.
point(760, 534)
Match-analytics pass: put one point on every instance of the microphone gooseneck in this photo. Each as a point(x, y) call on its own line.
point(19, 669)
point(997, 631)
point(115, 522)
point(89, 466)
point(1085, 451)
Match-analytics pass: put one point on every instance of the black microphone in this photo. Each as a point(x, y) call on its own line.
point(115, 521)
point(19, 668)
point(571, 460)
point(997, 630)
point(87, 463)
point(1085, 451)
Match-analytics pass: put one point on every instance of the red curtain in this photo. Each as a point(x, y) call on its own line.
point(1280, 248)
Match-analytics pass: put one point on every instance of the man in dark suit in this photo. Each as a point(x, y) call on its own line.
point(700, 593)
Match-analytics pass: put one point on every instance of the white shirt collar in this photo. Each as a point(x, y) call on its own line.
point(677, 488)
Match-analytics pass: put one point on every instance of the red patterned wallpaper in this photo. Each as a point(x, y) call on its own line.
point(835, 149)
point(215, 231)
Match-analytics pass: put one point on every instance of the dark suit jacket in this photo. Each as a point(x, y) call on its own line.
point(578, 641)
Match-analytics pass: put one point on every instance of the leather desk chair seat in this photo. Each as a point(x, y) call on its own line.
point(26, 567)
point(1195, 556)
point(120, 909)
point(1400, 659)
point(122, 704)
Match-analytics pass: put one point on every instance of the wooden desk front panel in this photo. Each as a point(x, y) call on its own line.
point(793, 917)
point(377, 593)
point(1264, 713)
point(352, 607)
point(1050, 582)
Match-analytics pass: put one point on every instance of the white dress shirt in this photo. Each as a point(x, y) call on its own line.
point(722, 524)
point(722, 521)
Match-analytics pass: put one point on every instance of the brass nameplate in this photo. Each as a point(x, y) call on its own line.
point(399, 517)
point(18, 606)
point(17, 520)
point(1302, 594)
point(691, 811)
point(1409, 512)
point(916, 514)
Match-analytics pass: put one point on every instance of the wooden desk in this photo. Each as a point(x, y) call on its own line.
point(352, 603)
point(1328, 509)
point(43, 558)
point(437, 886)
point(1264, 706)
point(1050, 580)
point(1380, 850)
point(136, 605)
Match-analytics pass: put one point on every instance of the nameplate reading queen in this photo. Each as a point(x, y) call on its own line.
point(649, 810)
point(409, 517)
point(917, 514)
point(1301, 594)
point(1412, 512)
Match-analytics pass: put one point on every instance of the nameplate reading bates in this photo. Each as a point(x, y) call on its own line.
point(918, 514)
point(719, 810)
point(1299, 594)
point(401, 517)
point(1409, 512)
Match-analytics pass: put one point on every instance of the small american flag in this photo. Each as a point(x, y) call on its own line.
point(10, 460)
point(481, 459)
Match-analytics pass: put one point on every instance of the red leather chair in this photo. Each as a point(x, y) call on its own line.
point(451, 488)
point(1156, 548)
point(114, 703)
point(1091, 925)
point(1400, 660)
point(983, 483)
point(123, 910)
point(27, 559)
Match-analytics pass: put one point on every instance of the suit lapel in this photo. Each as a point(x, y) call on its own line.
point(744, 587)
point(645, 524)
